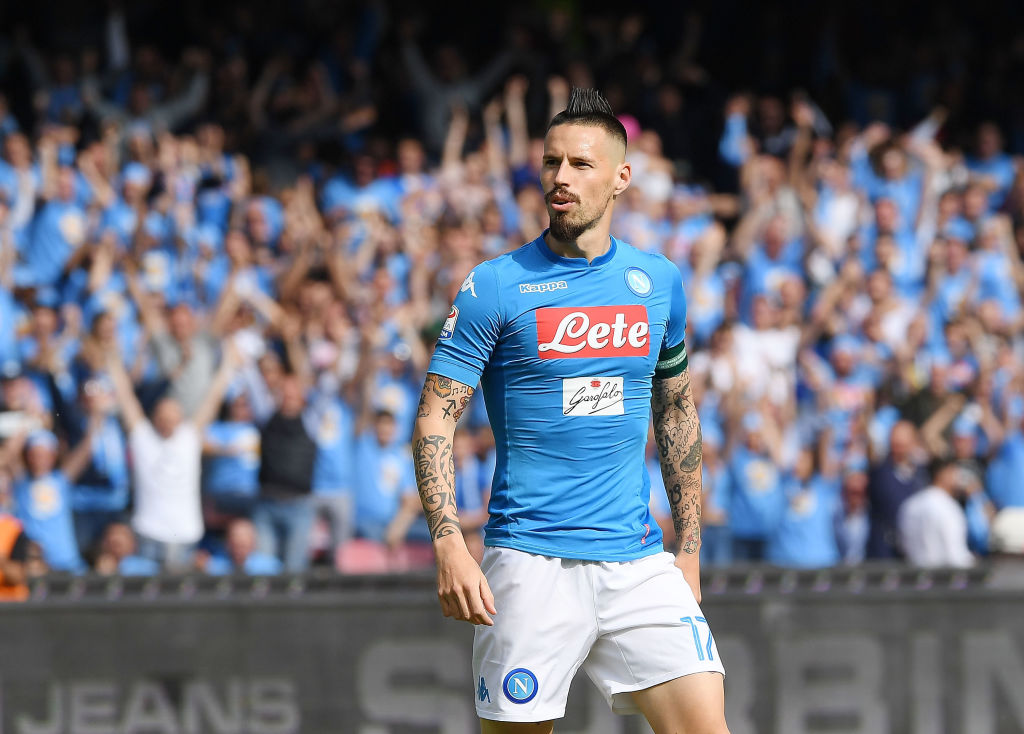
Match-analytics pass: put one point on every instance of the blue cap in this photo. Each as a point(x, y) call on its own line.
point(958, 228)
point(41, 437)
point(66, 155)
point(855, 464)
point(938, 356)
point(139, 129)
point(208, 234)
point(963, 426)
point(136, 173)
point(47, 297)
point(844, 343)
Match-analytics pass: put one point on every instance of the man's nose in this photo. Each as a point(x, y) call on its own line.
point(562, 175)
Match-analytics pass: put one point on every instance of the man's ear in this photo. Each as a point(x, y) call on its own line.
point(622, 179)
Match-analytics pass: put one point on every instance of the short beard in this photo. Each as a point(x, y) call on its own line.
point(564, 228)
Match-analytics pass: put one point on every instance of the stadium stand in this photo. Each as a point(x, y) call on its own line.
point(277, 204)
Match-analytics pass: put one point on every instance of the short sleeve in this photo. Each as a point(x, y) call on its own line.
point(471, 330)
point(672, 359)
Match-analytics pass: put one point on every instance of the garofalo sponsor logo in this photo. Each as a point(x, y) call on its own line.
point(592, 396)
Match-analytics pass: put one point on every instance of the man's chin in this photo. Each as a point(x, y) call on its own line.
point(563, 227)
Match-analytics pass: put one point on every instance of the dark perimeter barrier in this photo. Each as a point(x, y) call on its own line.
point(872, 650)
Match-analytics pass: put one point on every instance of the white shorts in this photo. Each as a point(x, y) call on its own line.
point(631, 625)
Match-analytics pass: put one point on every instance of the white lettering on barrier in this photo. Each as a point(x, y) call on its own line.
point(852, 692)
point(927, 716)
point(445, 704)
point(991, 661)
point(820, 680)
point(249, 706)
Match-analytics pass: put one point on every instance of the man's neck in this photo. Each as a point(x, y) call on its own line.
point(591, 244)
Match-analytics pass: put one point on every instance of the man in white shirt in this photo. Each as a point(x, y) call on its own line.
point(166, 460)
point(932, 523)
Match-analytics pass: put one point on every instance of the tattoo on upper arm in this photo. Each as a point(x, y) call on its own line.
point(463, 402)
point(442, 386)
point(455, 396)
point(678, 436)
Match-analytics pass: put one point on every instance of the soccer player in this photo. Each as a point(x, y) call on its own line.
point(575, 337)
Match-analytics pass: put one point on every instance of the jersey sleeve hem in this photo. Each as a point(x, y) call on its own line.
point(457, 372)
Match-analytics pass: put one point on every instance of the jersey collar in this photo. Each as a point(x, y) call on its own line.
point(577, 263)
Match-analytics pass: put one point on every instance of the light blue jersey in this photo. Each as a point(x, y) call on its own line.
point(43, 504)
point(565, 351)
point(235, 469)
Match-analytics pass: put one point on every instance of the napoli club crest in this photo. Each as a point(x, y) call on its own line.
point(639, 282)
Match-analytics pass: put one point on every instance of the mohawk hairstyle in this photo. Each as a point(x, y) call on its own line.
point(589, 107)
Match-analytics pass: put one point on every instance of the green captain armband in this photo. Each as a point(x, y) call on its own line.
point(672, 361)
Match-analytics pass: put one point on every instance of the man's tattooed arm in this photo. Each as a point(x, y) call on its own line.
point(677, 432)
point(441, 405)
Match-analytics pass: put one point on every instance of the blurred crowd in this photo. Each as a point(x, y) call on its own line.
point(220, 286)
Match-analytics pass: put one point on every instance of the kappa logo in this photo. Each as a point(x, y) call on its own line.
point(520, 686)
point(482, 693)
point(469, 285)
point(595, 331)
point(554, 285)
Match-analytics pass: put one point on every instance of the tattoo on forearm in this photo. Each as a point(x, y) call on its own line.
point(434, 458)
point(435, 477)
point(677, 433)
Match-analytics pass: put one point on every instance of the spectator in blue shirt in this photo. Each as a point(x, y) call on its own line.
point(757, 501)
point(395, 388)
point(716, 541)
point(231, 452)
point(851, 520)
point(119, 554)
point(991, 166)
point(242, 556)
point(386, 482)
point(1003, 477)
point(58, 232)
point(101, 493)
point(472, 481)
point(334, 472)
point(978, 508)
point(805, 536)
point(42, 496)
